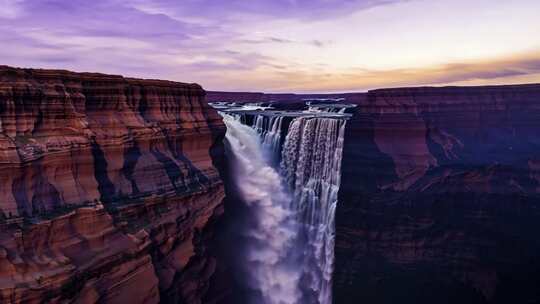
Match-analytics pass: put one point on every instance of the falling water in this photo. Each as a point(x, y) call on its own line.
point(271, 238)
point(311, 166)
point(269, 128)
point(291, 186)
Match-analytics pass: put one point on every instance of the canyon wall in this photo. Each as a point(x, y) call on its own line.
point(109, 188)
point(440, 194)
point(440, 197)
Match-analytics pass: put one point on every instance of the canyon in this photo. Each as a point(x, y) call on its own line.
point(116, 190)
point(439, 199)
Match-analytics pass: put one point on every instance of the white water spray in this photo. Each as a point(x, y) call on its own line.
point(272, 237)
point(291, 250)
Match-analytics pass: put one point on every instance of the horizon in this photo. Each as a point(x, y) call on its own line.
point(291, 92)
point(520, 84)
point(303, 47)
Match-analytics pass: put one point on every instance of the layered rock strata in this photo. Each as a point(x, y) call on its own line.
point(440, 199)
point(108, 188)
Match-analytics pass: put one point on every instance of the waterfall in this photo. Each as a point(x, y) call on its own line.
point(272, 234)
point(311, 166)
point(269, 127)
point(291, 189)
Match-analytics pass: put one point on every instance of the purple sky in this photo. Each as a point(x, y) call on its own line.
point(280, 45)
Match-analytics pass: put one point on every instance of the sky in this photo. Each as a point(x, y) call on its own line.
point(280, 45)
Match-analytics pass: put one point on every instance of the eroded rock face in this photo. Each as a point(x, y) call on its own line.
point(440, 195)
point(440, 199)
point(108, 188)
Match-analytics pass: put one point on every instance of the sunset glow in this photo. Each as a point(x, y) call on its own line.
point(280, 45)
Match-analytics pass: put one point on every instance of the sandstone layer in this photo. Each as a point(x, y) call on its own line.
point(440, 199)
point(109, 188)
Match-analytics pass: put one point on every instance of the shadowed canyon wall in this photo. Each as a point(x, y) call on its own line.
point(440, 195)
point(109, 188)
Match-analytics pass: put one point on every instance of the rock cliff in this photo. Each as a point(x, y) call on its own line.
point(440, 199)
point(109, 188)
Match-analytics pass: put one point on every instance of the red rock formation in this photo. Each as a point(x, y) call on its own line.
point(440, 197)
point(108, 191)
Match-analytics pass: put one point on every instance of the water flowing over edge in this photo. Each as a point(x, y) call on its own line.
point(311, 164)
point(291, 186)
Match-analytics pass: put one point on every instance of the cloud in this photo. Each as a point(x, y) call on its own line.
point(10, 8)
point(210, 42)
point(319, 43)
point(267, 40)
point(112, 37)
point(359, 79)
point(276, 9)
point(274, 40)
point(516, 65)
point(100, 18)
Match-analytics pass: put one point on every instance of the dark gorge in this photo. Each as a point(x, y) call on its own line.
point(439, 196)
point(121, 190)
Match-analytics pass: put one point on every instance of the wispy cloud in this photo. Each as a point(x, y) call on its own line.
point(275, 40)
point(358, 79)
point(10, 9)
point(298, 9)
point(272, 45)
point(267, 40)
point(110, 36)
point(320, 43)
